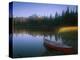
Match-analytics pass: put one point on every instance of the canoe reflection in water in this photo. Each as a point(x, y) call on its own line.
point(58, 46)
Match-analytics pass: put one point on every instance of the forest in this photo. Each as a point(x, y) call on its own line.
point(67, 18)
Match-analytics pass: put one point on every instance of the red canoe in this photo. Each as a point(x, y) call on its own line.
point(58, 46)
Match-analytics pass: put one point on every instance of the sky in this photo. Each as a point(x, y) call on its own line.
point(26, 9)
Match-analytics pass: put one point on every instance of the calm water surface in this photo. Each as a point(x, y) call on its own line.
point(31, 44)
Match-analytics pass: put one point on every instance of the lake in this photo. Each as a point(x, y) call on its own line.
point(28, 43)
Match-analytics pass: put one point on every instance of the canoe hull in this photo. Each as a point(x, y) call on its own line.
point(65, 50)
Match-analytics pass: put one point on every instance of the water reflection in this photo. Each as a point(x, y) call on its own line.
point(31, 43)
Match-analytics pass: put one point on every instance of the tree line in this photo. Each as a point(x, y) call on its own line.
point(67, 18)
